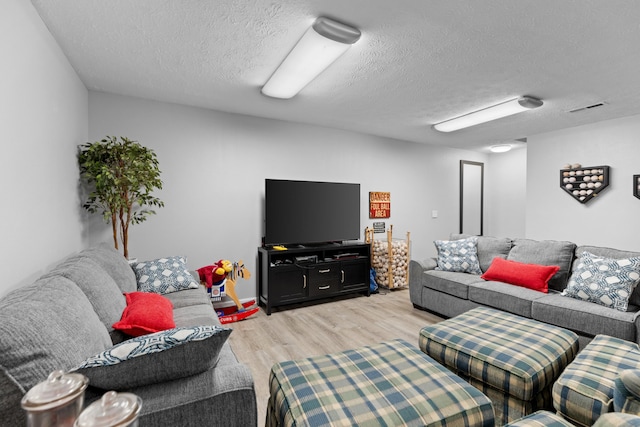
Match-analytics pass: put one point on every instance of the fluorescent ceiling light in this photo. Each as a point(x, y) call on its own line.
point(500, 148)
point(324, 42)
point(494, 112)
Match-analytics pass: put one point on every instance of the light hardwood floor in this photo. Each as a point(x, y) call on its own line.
point(311, 330)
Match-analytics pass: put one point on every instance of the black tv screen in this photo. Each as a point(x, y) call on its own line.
point(302, 212)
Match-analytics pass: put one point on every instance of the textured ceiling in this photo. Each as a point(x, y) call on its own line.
point(418, 62)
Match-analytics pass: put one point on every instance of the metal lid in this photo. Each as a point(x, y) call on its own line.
point(112, 410)
point(58, 390)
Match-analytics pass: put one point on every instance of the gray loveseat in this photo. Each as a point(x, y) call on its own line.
point(451, 293)
point(66, 317)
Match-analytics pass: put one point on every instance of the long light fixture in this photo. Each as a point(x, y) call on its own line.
point(504, 109)
point(324, 42)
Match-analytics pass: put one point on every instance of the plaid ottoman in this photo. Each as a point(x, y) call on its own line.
point(541, 419)
point(513, 360)
point(585, 389)
point(618, 419)
point(387, 384)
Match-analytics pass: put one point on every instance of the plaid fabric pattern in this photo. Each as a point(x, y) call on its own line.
point(585, 389)
point(387, 384)
point(626, 392)
point(512, 359)
point(507, 408)
point(617, 419)
point(511, 353)
point(540, 419)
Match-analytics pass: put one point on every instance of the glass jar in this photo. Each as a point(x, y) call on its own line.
point(56, 401)
point(112, 410)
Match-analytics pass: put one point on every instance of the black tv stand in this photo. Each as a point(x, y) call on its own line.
point(300, 274)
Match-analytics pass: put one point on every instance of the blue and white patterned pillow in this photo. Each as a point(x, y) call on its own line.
point(458, 255)
point(162, 356)
point(164, 275)
point(605, 281)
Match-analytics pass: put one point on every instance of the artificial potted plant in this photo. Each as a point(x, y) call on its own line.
point(121, 175)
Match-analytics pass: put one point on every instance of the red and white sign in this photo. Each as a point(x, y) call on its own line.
point(379, 204)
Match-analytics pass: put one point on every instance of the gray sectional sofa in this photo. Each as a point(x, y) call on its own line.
point(449, 293)
point(66, 317)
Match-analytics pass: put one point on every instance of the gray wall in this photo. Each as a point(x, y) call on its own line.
point(506, 193)
point(611, 218)
point(214, 165)
point(44, 117)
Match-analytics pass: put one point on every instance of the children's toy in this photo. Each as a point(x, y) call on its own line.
point(223, 311)
point(220, 279)
point(214, 277)
point(238, 315)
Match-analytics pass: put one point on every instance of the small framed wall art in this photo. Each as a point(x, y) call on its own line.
point(636, 186)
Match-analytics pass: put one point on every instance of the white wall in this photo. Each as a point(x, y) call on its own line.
point(611, 218)
point(44, 117)
point(506, 194)
point(214, 165)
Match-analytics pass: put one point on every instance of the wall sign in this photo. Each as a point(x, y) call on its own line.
point(379, 204)
point(379, 227)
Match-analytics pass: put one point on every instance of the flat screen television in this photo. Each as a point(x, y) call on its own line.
point(308, 212)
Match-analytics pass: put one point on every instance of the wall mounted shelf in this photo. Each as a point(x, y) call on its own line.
point(584, 183)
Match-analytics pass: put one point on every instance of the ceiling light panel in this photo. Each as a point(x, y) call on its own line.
point(498, 111)
point(324, 42)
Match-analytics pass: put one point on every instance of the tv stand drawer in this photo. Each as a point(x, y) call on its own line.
point(324, 279)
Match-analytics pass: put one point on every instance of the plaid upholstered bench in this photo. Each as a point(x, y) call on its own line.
point(585, 390)
point(541, 419)
point(511, 359)
point(387, 384)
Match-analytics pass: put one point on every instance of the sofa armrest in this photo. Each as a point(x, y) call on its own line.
point(427, 264)
point(416, 273)
point(626, 394)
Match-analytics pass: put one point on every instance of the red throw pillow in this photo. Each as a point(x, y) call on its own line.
point(145, 313)
point(531, 276)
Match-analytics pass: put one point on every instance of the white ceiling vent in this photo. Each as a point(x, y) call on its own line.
point(588, 107)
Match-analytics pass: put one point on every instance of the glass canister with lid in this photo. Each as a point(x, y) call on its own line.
point(57, 401)
point(112, 410)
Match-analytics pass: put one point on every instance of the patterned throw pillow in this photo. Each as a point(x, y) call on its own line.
point(605, 281)
point(458, 255)
point(155, 358)
point(164, 275)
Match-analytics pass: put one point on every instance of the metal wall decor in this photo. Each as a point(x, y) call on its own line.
point(584, 183)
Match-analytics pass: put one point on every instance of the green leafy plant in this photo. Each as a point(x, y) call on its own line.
point(121, 175)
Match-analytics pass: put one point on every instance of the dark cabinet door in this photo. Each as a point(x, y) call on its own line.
point(287, 284)
point(355, 275)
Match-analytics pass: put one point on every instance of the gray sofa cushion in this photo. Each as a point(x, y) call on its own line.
point(546, 252)
point(115, 264)
point(451, 283)
point(189, 297)
point(584, 317)
point(503, 296)
point(45, 326)
point(220, 396)
point(489, 248)
point(195, 315)
point(99, 287)
point(611, 253)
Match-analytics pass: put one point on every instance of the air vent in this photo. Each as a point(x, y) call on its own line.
point(588, 107)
